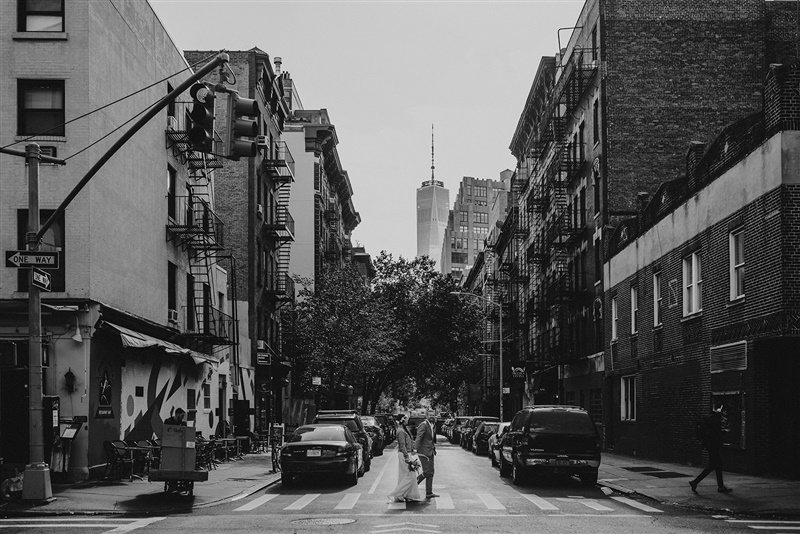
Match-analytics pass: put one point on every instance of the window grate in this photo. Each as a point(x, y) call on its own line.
point(730, 357)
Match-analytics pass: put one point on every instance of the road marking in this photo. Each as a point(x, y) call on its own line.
point(348, 501)
point(303, 501)
point(538, 501)
point(141, 523)
point(591, 503)
point(255, 503)
point(380, 477)
point(444, 502)
point(116, 525)
point(773, 527)
point(636, 504)
point(491, 502)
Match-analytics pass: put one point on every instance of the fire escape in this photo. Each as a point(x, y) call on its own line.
point(279, 224)
point(193, 225)
point(554, 298)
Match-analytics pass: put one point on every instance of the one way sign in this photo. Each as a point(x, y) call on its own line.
point(41, 279)
point(26, 259)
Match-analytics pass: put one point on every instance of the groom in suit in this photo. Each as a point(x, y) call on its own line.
point(425, 443)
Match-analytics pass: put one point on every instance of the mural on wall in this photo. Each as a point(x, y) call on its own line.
point(153, 385)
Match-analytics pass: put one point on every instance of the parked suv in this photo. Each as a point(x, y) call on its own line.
point(559, 440)
point(352, 421)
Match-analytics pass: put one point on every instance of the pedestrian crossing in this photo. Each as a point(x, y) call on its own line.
point(772, 526)
point(477, 502)
point(100, 525)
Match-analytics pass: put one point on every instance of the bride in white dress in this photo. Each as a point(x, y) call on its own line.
point(406, 489)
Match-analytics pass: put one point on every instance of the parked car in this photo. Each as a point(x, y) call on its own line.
point(413, 422)
point(373, 428)
point(469, 428)
point(455, 435)
point(353, 422)
point(322, 448)
point(557, 440)
point(447, 427)
point(441, 418)
point(480, 438)
point(494, 442)
point(387, 424)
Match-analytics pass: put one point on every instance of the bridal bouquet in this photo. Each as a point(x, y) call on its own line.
point(413, 463)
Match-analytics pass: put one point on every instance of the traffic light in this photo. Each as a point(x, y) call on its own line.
point(238, 127)
point(201, 135)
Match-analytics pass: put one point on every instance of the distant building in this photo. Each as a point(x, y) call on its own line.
point(433, 207)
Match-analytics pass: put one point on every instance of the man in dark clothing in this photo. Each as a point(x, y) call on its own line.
point(178, 418)
point(712, 441)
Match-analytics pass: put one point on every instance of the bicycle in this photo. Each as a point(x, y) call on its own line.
point(275, 454)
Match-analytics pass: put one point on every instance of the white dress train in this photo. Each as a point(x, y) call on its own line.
point(406, 488)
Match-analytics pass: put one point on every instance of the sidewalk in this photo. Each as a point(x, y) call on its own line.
point(669, 484)
point(228, 480)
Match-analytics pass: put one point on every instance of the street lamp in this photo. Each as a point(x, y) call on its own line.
point(500, 312)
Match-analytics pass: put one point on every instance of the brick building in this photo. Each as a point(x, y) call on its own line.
point(252, 196)
point(137, 321)
point(606, 122)
point(702, 301)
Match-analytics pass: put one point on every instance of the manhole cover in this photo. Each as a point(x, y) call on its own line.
point(324, 521)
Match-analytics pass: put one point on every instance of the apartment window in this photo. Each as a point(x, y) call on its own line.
point(657, 299)
point(596, 122)
point(40, 107)
point(594, 43)
point(172, 286)
point(452, 242)
point(468, 190)
point(614, 319)
point(172, 185)
point(581, 149)
point(692, 284)
point(482, 218)
point(463, 228)
point(464, 216)
point(480, 190)
point(628, 398)
point(40, 16)
point(598, 265)
point(634, 310)
point(736, 245)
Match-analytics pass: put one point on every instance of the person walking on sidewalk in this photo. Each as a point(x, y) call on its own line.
point(713, 428)
point(425, 443)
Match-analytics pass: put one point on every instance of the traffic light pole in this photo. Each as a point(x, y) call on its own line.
point(152, 112)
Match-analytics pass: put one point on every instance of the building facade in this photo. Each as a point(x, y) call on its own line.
point(252, 197)
point(433, 208)
point(600, 130)
point(138, 320)
point(702, 302)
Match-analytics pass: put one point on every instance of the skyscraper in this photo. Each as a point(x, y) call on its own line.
point(433, 202)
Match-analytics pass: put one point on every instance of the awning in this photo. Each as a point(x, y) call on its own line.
point(137, 340)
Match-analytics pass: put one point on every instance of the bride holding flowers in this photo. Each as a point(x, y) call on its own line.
point(408, 465)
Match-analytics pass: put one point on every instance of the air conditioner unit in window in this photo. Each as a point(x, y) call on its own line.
point(260, 210)
point(262, 141)
point(172, 122)
point(261, 344)
point(172, 316)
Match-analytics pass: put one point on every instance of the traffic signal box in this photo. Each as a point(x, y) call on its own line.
point(239, 126)
point(201, 134)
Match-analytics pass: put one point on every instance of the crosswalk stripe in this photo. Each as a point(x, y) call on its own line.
point(255, 503)
point(590, 503)
point(538, 501)
point(635, 504)
point(444, 502)
point(303, 501)
point(491, 501)
point(348, 501)
point(772, 527)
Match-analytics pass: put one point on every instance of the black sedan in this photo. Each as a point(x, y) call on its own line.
point(322, 448)
point(480, 438)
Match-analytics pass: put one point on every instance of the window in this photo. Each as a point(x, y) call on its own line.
point(480, 190)
point(40, 16)
point(692, 284)
point(468, 190)
point(736, 244)
point(482, 217)
point(463, 228)
point(634, 309)
point(464, 216)
point(594, 43)
point(581, 149)
point(40, 107)
point(598, 264)
point(207, 396)
point(172, 286)
point(172, 184)
point(657, 299)
point(614, 319)
point(628, 399)
point(596, 122)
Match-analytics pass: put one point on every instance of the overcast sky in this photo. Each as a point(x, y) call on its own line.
point(386, 71)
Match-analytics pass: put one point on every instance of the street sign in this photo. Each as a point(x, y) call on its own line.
point(41, 279)
point(25, 259)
